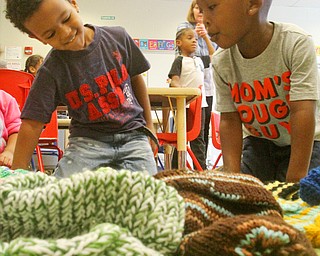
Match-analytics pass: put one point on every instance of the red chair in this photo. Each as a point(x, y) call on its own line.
point(215, 132)
point(193, 130)
point(18, 84)
point(48, 141)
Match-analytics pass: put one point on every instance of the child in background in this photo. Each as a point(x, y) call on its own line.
point(267, 87)
point(195, 21)
point(33, 63)
point(94, 71)
point(9, 126)
point(187, 70)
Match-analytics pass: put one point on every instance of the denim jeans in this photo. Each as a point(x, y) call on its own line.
point(130, 150)
point(267, 161)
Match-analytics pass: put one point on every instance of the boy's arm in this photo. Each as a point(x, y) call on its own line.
point(7, 155)
point(175, 81)
point(140, 90)
point(27, 140)
point(231, 141)
point(302, 124)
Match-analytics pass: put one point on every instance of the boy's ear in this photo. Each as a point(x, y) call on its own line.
point(32, 69)
point(75, 5)
point(254, 6)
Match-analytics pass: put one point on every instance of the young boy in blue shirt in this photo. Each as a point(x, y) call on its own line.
point(267, 89)
point(94, 71)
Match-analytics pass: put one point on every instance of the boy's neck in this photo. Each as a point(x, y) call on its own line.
point(186, 54)
point(258, 42)
point(89, 35)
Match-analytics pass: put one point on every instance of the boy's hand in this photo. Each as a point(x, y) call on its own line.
point(6, 158)
point(201, 30)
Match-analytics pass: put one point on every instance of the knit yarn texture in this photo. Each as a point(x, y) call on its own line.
point(297, 212)
point(310, 187)
point(106, 212)
point(6, 172)
point(232, 214)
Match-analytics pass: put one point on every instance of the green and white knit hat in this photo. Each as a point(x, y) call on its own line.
point(92, 213)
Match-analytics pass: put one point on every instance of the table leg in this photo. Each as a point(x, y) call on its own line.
point(181, 132)
point(167, 148)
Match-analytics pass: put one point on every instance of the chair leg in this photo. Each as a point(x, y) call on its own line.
point(217, 161)
point(194, 159)
point(40, 160)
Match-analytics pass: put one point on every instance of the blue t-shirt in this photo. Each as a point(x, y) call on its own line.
point(94, 83)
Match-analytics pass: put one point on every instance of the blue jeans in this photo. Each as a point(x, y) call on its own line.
point(130, 150)
point(269, 162)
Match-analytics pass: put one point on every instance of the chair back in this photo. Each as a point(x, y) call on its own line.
point(215, 130)
point(17, 84)
point(194, 119)
point(51, 129)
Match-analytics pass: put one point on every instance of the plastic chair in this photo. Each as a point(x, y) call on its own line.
point(18, 84)
point(193, 130)
point(215, 132)
point(48, 141)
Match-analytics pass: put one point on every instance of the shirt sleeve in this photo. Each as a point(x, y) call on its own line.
point(206, 60)
point(13, 120)
point(176, 67)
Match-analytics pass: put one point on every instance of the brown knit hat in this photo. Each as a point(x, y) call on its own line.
point(247, 235)
point(226, 213)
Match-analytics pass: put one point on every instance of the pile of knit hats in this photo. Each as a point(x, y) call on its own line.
point(232, 214)
point(129, 213)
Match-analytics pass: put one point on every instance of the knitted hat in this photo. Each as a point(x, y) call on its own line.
point(90, 213)
point(6, 172)
point(212, 195)
point(217, 203)
point(310, 187)
point(247, 235)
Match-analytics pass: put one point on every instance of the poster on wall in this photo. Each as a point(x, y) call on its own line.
point(14, 64)
point(13, 53)
point(155, 44)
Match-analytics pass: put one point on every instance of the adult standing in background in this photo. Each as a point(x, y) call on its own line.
point(195, 21)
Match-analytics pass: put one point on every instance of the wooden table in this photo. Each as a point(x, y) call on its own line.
point(160, 97)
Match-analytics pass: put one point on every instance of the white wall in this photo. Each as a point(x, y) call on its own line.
point(148, 19)
point(306, 18)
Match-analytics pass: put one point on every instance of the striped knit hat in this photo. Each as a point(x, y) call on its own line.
point(232, 214)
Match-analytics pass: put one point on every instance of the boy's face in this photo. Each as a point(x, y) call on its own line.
point(188, 42)
point(227, 21)
point(57, 23)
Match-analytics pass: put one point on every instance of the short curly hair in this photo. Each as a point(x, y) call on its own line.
point(18, 11)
